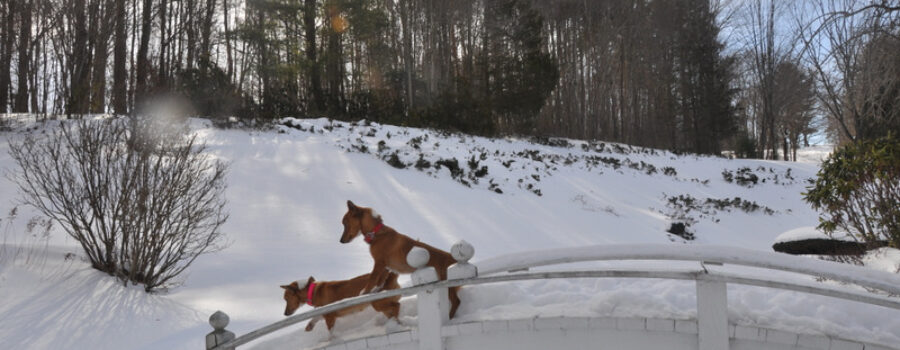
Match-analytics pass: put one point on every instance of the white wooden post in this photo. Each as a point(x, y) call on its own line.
point(712, 315)
point(462, 251)
point(219, 320)
point(431, 316)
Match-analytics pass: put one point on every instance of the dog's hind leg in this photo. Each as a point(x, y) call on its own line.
point(453, 293)
point(312, 323)
point(389, 307)
point(329, 321)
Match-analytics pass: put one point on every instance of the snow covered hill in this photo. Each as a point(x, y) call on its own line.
point(287, 191)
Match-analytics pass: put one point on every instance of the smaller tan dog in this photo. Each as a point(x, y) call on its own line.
point(315, 294)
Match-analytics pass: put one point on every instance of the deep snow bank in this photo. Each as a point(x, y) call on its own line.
point(287, 189)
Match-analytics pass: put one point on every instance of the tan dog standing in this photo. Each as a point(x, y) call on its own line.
point(319, 293)
point(389, 249)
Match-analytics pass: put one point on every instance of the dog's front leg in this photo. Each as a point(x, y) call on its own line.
point(312, 323)
point(382, 280)
point(379, 273)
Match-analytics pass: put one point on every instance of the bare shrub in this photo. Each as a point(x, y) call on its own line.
point(140, 196)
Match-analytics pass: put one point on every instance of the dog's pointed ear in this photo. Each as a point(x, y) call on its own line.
point(294, 287)
point(352, 206)
point(285, 287)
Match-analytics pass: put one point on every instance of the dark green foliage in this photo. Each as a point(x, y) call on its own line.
point(494, 187)
point(680, 229)
point(745, 147)
point(416, 142)
point(473, 163)
point(481, 172)
point(858, 191)
point(685, 207)
point(422, 163)
point(452, 165)
point(705, 91)
point(210, 91)
point(743, 176)
point(394, 161)
point(522, 75)
point(554, 142)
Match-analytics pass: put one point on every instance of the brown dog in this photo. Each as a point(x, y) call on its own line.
point(317, 294)
point(389, 249)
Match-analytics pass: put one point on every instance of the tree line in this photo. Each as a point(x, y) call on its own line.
point(698, 76)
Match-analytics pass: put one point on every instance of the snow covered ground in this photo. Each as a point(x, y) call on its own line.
point(287, 192)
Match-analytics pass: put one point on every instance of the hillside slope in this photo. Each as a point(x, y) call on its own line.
point(287, 192)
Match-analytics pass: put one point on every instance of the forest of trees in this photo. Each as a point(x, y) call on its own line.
point(756, 76)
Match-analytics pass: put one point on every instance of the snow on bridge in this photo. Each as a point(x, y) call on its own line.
point(710, 330)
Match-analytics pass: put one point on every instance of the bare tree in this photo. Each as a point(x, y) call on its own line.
point(765, 55)
point(140, 196)
point(794, 105)
point(837, 46)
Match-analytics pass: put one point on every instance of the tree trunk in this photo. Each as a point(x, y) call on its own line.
point(6, 54)
point(206, 31)
point(143, 62)
point(405, 18)
point(230, 60)
point(79, 88)
point(191, 35)
point(33, 75)
point(120, 75)
point(163, 45)
point(315, 72)
point(101, 56)
point(21, 104)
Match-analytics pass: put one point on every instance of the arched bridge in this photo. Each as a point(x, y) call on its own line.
point(709, 331)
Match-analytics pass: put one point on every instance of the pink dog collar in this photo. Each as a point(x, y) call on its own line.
point(309, 293)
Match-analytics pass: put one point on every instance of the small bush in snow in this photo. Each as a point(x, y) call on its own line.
point(680, 229)
point(743, 176)
point(452, 164)
point(684, 207)
point(416, 142)
point(5, 124)
point(551, 141)
point(473, 163)
point(858, 191)
point(394, 161)
point(141, 197)
point(422, 163)
point(481, 172)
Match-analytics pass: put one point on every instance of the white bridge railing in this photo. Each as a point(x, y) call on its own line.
point(712, 308)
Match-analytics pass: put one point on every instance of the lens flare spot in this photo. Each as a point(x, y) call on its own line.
point(339, 24)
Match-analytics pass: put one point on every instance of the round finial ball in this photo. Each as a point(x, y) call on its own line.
point(462, 251)
point(417, 257)
point(218, 320)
